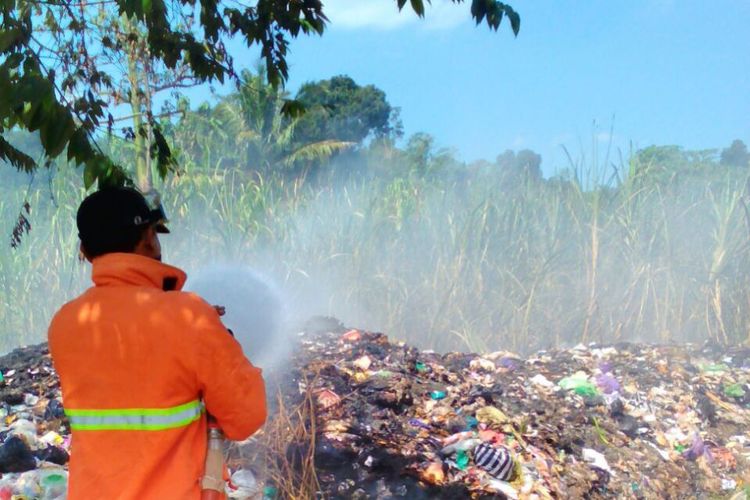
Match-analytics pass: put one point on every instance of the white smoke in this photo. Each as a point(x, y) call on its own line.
point(255, 310)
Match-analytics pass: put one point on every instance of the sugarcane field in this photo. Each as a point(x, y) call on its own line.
point(380, 249)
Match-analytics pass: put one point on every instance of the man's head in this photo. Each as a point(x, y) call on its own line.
point(120, 220)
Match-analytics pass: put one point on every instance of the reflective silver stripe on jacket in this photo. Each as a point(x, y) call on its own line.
point(135, 419)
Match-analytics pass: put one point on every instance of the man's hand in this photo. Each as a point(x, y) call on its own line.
point(221, 310)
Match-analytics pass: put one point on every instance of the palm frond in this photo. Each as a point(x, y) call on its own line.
point(317, 151)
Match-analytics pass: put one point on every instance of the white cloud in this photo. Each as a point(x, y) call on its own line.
point(384, 14)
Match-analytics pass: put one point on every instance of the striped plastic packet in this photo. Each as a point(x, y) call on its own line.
point(497, 461)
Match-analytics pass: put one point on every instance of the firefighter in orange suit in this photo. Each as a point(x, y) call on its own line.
point(140, 363)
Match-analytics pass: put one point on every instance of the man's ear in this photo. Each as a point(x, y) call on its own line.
point(82, 255)
point(149, 246)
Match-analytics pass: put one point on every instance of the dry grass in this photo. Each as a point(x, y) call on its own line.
point(471, 265)
point(283, 453)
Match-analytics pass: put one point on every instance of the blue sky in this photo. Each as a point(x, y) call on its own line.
point(658, 71)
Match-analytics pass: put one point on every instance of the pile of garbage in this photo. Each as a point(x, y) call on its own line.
point(34, 433)
point(620, 421)
point(391, 421)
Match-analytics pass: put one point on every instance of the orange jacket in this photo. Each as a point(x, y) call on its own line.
point(139, 367)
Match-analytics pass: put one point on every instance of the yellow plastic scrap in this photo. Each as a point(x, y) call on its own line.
point(491, 415)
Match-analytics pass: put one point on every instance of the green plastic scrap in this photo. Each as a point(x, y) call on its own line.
point(462, 460)
point(715, 368)
point(734, 391)
point(269, 493)
point(588, 390)
point(421, 367)
point(53, 479)
point(436, 395)
point(580, 384)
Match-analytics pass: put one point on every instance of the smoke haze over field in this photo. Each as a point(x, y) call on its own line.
point(446, 256)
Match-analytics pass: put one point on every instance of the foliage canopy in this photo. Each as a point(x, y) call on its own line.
point(249, 132)
point(339, 108)
point(41, 39)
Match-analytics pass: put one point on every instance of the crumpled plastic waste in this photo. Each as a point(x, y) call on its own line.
point(620, 421)
point(580, 384)
point(607, 383)
point(34, 435)
point(697, 449)
point(596, 459)
point(242, 485)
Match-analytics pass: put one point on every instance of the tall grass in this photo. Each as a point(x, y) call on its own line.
point(44, 271)
point(480, 262)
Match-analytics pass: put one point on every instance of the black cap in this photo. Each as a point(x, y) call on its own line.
point(112, 209)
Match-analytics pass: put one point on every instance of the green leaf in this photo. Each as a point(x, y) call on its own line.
point(401, 4)
point(160, 149)
point(55, 132)
point(89, 173)
point(494, 17)
point(293, 108)
point(478, 10)
point(418, 7)
point(132, 8)
point(79, 148)
point(8, 38)
point(16, 157)
point(515, 19)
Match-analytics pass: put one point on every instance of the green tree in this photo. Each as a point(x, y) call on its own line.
point(339, 108)
point(657, 163)
point(525, 164)
point(250, 128)
point(67, 108)
point(121, 42)
point(736, 155)
point(423, 159)
point(672, 164)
